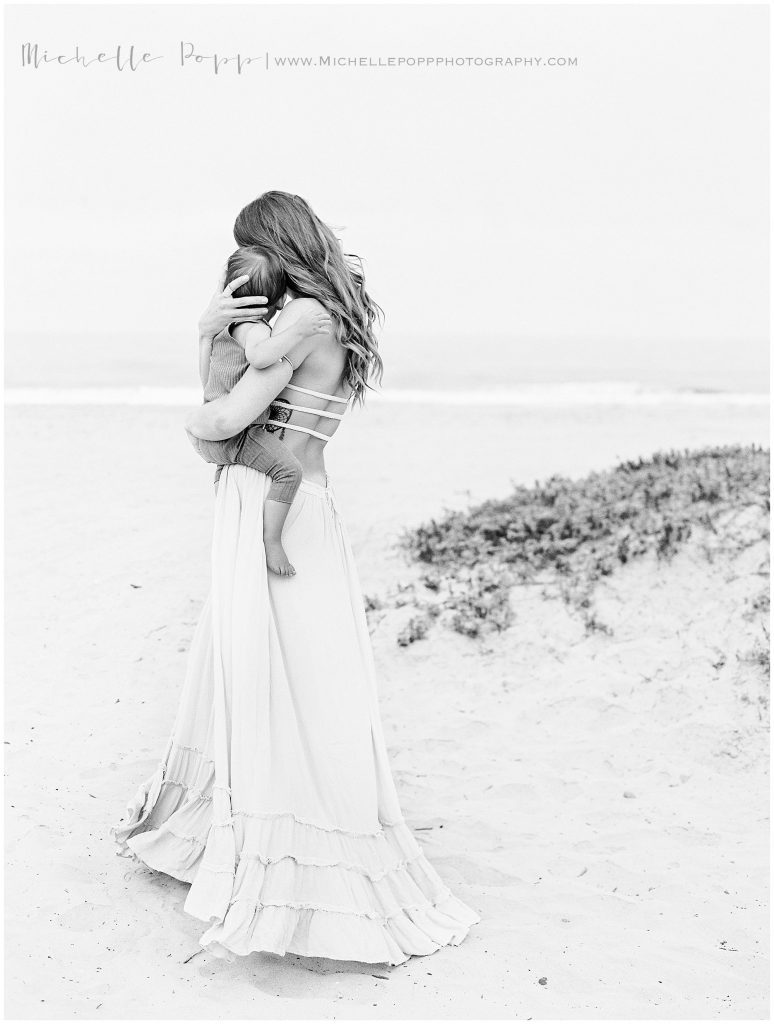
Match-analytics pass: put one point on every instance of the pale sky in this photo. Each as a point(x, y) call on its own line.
point(622, 200)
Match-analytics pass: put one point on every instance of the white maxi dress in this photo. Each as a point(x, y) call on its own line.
point(274, 796)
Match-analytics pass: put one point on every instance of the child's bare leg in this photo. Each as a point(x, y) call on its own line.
point(274, 515)
point(264, 451)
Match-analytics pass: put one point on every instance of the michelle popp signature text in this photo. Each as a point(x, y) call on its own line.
point(133, 58)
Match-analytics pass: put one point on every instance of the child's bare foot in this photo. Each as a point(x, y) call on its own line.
point(277, 560)
point(274, 516)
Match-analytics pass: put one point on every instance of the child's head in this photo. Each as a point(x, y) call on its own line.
point(266, 275)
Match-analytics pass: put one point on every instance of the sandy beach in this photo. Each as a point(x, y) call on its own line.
point(600, 800)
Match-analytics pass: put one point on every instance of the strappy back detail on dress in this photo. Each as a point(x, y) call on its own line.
point(316, 394)
point(311, 411)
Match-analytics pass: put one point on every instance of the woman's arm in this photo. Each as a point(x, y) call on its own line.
point(256, 389)
point(253, 392)
point(205, 355)
point(222, 310)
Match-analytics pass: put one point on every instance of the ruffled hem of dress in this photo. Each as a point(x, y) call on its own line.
point(315, 932)
point(275, 883)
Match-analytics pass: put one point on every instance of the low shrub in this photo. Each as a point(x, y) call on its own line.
point(572, 533)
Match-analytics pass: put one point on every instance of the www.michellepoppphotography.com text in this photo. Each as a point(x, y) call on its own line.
point(132, 58)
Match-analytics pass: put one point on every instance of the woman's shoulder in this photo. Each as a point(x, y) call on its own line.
point(295, 307)
point(293, 311)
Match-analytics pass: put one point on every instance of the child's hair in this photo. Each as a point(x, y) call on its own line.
point(266, 274)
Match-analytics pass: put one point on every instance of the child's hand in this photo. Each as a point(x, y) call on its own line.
point(312, 322)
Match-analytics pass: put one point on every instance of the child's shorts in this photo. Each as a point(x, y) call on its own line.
point(261, 450)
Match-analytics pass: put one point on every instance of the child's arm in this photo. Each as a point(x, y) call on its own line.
point(251, 337)
point(261, 352)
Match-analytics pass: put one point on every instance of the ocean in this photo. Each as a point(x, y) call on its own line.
point(158, 369)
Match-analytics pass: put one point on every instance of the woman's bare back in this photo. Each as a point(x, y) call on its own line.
point(321, 371)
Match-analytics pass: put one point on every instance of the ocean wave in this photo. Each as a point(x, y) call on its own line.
point(560, 394)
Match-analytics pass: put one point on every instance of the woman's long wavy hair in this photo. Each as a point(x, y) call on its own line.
point(316, 266)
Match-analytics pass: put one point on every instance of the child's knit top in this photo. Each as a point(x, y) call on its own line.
point(227, 365)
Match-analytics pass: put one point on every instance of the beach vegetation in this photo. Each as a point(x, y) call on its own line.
point(567, 535)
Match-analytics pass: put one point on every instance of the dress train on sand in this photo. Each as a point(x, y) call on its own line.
point(274, 797)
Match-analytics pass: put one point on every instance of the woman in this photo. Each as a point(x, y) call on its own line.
point(274, 797)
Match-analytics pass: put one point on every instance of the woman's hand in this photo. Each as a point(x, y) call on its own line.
point(223, 309)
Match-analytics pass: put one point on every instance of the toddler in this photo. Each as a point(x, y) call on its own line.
point(236, 348)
